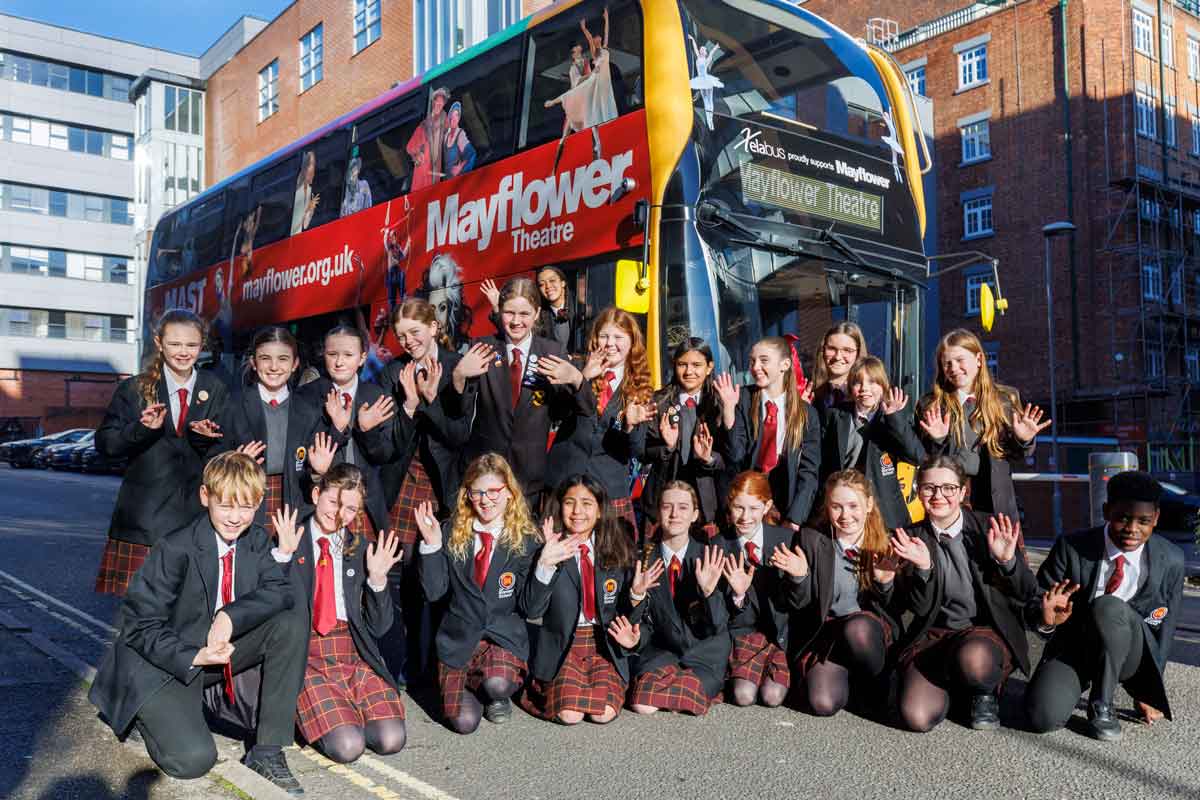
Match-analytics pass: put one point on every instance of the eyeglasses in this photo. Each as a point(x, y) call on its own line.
point(930, 489)
point(490, 494)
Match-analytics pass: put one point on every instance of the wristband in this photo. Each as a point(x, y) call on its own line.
point(1047, 630)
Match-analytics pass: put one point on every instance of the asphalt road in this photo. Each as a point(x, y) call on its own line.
point(51, 536)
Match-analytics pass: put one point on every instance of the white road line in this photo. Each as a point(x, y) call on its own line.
point(404, 779)
point(70, 622)
point(104, 626)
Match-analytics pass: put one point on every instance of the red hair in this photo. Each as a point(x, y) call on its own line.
point(750, 482)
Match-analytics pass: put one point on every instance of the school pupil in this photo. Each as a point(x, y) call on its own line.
point(481, 565)
point(872, 433)
point(357, 416)
point(557, 318)
point(348, 700)
point(607, 431)
point(841, 346)
point(774, 431)
point(967, 587)
point(685, 440)
point(1109, 600)
point(501, 391)
point(979, 422)
point(210, 602)
point(581, 588)
point(755, 587)
point(841, 585)
point(163, 420)
point(684, 630)
point(269, 423)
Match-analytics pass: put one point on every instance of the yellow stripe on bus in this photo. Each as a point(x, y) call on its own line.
point(903, 121)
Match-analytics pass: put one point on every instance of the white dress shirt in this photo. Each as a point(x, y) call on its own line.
point(1133, 568)
point(279, 397)
point(224, 547)
point(173, 392)
point(546, 575)
point(668, 554)
point(756, 539)
point(495, 529)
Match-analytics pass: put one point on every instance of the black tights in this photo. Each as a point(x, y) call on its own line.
point(472, 710)
point(976, 664)
point(860, 650)
point(346, 743)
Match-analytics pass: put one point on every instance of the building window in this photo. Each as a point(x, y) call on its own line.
point(53, 75)
point(1150, 210)
point(268, 90)
point(972, 67)
point(1192, 362)
point(57, 203)
point(1195, 136)
point(974, 284)
point(366, 23)
point(916, 81)
point(44, 324)
point(1193, 57)
point(182, 110)
point(1168, 43)
point(1175, 285)
point(1155, 363)
point(1143, 33)
point(312, 56)
point(976, 141)
point(44, 133)
point(1152, 280)
point(1145, 116)
point(1170, 109)
point(991, 354)
point(977, 217)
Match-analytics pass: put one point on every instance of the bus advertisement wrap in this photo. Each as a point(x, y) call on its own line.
point(510, 217)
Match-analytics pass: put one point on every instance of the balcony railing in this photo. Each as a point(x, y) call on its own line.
point(947, 23)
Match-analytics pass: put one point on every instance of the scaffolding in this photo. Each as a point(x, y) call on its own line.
point(1153, 243)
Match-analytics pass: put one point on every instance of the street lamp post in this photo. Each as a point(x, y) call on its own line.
point(1048, 233)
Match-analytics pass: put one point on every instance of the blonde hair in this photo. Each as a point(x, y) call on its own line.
point(148, 378)
point(820, 371)
point(345, 478)
point(875, 534)
point(421, 310)
point(870, 367)
point(235, 476)
point(518, 522)
point(990, 419)
point(635, 388)
point(797, 413)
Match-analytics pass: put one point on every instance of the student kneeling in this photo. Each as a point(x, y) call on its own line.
point(1111, 598)
point(210, 602)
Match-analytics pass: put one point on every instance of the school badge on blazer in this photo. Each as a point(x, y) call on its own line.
point(610, 591)
point(301, 454)
point(886, 465)
point(201, 395)
point(507, 584)
point(1156, 616)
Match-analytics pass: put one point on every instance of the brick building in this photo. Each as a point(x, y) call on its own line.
point(1120, 159)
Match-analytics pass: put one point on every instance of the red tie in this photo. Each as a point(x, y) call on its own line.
point(483, 557)
point(752, 553)
point(226, 599)
point(324, 606)
point(673, 573)
point(515, 372)
point(768, 450)
point(587, 579)
point(274, 402)
point(183, 409)
point(606, 391)
point(346, 399)
point(691, 403)
point(1118, 575)
point(852, 555)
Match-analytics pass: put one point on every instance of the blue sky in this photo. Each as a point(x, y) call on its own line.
point(185, 26)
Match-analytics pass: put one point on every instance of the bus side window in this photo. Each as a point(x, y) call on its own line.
point(272, 191)
point(330, 158)
point(169, 247)
point(237, 206)
point(480, 111)
point(378, 154)
point(588, 83)
point(204, 231)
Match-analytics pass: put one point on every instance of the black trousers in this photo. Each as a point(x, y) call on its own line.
point(173, 720)
point(1104, 650)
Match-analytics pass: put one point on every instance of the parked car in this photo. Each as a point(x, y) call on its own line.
point(60, 456)
point(1178, 513)
point(20, 453)
point(92, 460)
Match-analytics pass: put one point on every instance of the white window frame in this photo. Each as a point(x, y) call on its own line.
point(368, 23)
point(1145, 121)
point(976, 141)
point(973, 285)
point(1193, 58)
point(1175, 285)
point(1155, 361)
point(1143, 33)
point(977, 218)
point(1172, 140)
point(1191, 360)
point(1195, 151)
point(916, 81)
point(973, 67)
point(312, 57)
point(1167, 30)
point(268, 91)
point(991, 356)
point(1152, 280)
point(20, 130)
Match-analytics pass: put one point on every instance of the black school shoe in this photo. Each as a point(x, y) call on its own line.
point(498, 711)
point(271, 764)
point(985, 712)
point(1102, 722)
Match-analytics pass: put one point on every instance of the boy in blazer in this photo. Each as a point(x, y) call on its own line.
point(210, 602)
point(1109, 603)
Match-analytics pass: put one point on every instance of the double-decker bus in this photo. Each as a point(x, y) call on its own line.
point(727, 169)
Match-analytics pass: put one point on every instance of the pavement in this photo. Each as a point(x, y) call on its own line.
point(52, 746)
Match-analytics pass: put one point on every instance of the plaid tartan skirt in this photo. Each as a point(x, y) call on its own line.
point(340, 688)
point(756, 659)
point(362, 526)
point(831, 633)
point(933, 653)
point(118, 564)
point(623, 508)
point(273, 497)
point(489, 660)
point(673, 688)
point(587, 682)
point(415, 489)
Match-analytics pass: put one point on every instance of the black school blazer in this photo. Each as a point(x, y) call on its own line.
point(688, 629)
point(812, 597)
point(765, 608)
point(709, 480)
point(888, 439)
point(596, 444)
point(559, 604)
point(369, 613)
point(802, 466)
point(519, 434)
point(496, 612)
point(431, 435)
point(168, 610)
point(371, 448)
point(1000, 599)
point(1077, 557)
point(245, 422)
point(161, 488)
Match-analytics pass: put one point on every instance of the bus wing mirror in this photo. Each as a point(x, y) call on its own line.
point(632, 287)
